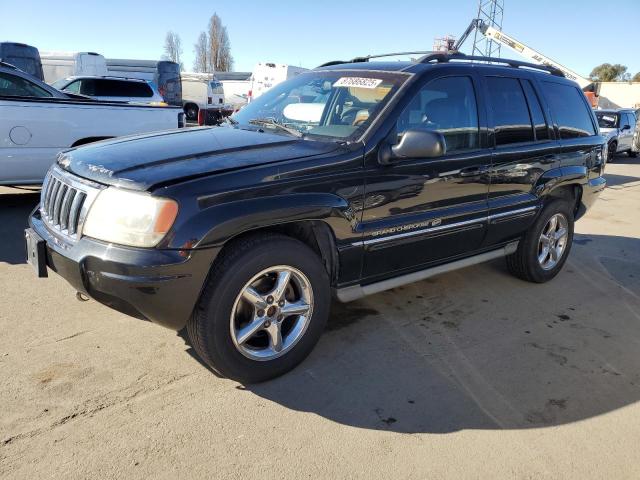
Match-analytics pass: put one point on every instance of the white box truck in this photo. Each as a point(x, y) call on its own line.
point(200, 90)
point(57, 65)
point(266, 75)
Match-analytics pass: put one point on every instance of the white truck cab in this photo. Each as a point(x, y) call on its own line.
point(200, 91)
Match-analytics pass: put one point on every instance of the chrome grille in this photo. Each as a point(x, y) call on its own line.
point(65, 201)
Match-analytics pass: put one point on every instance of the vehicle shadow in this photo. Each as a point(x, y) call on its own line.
point(478, 349)
point(14, 213)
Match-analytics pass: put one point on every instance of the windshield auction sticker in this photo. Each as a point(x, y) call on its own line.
point(359, 82)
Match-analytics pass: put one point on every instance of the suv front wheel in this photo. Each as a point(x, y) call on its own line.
point(263, 309)
point(544, 248)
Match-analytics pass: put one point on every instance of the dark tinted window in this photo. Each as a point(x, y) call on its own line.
point(607, 119)
point(121, 88)
point(509, 111)
point(14, 86)
point(539, 122)
point(569, 110)
point(446, 105)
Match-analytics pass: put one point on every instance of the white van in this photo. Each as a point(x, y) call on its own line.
point(267, 75)
point(200, 90)
point(57, 65)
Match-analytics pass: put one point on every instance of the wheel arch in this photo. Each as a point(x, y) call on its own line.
point(318, 220)
point(85, 141)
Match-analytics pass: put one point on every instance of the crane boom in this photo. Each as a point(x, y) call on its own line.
point(519, 47)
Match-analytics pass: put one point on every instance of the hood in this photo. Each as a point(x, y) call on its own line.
point(143, 161)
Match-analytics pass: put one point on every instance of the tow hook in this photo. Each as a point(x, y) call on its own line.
point(81, 297)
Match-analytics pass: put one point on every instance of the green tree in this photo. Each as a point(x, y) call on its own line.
point(636, 77)
point(609, 73)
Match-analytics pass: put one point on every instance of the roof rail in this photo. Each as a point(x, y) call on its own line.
point(369, 57)
point(7, 65)
point(441, 57)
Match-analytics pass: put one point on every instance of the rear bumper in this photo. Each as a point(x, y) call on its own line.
point(590, 193)
point(161, 286)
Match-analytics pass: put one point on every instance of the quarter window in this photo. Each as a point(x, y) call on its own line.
point(446, 105)
point(509, 111)
point(569, 110)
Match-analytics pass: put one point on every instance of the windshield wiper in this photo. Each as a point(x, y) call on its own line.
point(272, 122)
point(230, 121)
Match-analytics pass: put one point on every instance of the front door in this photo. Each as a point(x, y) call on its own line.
point(421, 211)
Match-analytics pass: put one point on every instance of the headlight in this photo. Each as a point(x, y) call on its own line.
point(130, 218)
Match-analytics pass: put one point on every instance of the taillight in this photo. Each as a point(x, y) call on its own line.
point(201, 117)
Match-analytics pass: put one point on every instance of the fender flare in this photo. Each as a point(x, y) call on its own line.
point(216, 225)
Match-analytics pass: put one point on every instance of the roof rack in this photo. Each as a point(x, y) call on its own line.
point(442, 57)
point(7, 65)
point(369, 57)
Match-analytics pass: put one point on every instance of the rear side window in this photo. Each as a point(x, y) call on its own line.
point(120, 88)
point(509, 111)
point(539, 123)
point(569, 110)
point(446, 105)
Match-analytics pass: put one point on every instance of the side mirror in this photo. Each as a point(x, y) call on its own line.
point(626, 127)
point(415, 144)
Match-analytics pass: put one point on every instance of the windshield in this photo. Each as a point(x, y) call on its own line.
point(332, 104)
point(607, 120)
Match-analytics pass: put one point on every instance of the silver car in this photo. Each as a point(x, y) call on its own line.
point(619, 126)
point(111, 89)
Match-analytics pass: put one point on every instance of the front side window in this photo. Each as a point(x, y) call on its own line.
point(336, 104)
point(569, 110)
point(446, 105)
point(509, 111)
point(14, 86)
point(607, 119)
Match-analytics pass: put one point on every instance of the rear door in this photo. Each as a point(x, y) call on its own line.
point(524, 150)
point(420, 211)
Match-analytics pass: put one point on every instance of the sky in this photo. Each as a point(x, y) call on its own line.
point(574, 33)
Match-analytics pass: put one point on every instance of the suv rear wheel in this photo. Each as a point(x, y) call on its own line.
point(263, 309)
point(544, 249)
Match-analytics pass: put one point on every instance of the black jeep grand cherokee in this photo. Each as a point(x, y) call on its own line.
point(350, 179)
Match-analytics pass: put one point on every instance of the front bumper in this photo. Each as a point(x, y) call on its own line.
point(161, 286)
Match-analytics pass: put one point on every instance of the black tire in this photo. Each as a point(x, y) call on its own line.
point(191, 111)
point(209, 327)
point(632, 154)
point(524, 263)
point(613, 146)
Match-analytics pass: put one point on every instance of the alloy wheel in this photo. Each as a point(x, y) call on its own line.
point(271, 313)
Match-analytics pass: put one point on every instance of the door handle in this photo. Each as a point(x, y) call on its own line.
point(547, 159)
